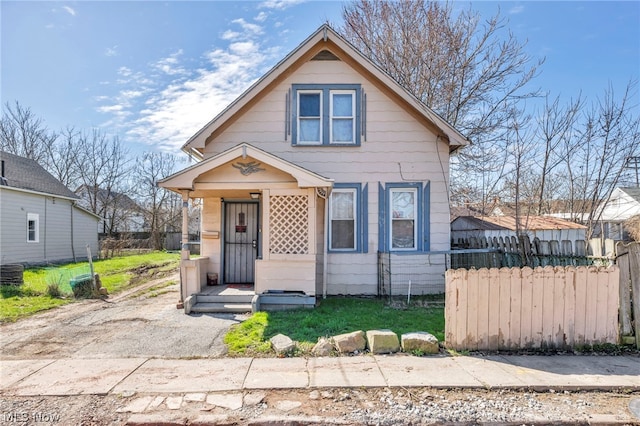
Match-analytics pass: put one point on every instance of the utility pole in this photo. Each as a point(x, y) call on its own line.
point(634, 163)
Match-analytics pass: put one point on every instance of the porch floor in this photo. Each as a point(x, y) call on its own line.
point(228, 290)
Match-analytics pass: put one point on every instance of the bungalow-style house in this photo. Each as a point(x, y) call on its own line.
point(321, 164)
point(623, 204)
point(40, 221)
point(544, 228)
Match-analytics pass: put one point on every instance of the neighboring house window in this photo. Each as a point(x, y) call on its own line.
point(326, 114)
point(33, 227)
point(404, 217)
point(347, 218)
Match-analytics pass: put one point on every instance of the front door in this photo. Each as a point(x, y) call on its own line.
point(240, 242)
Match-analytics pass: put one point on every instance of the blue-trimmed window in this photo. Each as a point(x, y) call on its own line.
point(403, 217)
point(326, 114)
point(347, 218)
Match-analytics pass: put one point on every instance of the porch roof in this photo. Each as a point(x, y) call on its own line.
point(186, 178)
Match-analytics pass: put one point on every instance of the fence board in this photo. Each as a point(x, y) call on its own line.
point(569, 298)
point(592, 301)
point(504, 280)
point(581, 306)
point(546, 286)
point(472, 310)
point(526, 329)
point(531, 308)
point(515, 311)
point(559, 280)
point(484, 283)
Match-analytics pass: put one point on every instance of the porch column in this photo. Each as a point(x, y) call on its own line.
point(185, 226)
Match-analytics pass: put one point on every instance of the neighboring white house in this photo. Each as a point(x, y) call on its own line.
point(623, 204)
point(121, 213)
point(321, 164)
point(39, 219)
point(544, 228)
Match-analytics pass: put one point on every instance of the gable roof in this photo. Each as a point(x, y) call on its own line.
point(532, 223)
point(633, 192)
point(25, 174)
point(323, 39)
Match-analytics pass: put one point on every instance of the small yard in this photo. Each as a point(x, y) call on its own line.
point(333, 316)
point(116, 275)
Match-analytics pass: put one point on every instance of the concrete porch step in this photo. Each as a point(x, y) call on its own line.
point(224, 298)
point(210, 307)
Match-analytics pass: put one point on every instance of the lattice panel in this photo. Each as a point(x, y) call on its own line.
point(289, 224)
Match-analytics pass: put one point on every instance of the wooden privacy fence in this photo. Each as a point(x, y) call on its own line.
point(521, 251)
point(541, 308)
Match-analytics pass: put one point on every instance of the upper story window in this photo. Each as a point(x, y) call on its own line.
point(326, 114)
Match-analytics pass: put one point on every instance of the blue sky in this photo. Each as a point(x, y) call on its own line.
point(153, 73)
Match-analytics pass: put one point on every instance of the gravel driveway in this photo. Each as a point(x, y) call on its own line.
point(142, 326)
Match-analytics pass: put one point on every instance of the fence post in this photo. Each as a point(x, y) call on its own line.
point(622, 259)
point(634, 263)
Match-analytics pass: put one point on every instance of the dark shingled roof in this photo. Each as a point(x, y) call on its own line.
point(24, 173)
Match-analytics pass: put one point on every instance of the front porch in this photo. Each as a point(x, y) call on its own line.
point(262, 226)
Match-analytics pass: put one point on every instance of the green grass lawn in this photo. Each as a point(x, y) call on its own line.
point(116, 275)
point(333, 316)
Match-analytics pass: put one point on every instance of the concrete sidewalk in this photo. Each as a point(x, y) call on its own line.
point(73, 376)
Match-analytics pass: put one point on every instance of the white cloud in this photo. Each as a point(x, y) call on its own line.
point(69, 10)
point(166, 104)
point(111, 51)
point(279, 4)
point(516, 9)
point(262, 16)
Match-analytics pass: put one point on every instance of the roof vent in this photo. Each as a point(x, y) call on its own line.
point(325, 55)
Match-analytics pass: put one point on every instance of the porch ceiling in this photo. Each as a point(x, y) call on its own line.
point(241, 169)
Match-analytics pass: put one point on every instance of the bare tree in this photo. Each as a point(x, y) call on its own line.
point(62, 157)
point(24, 134)
point(103, 167)
point(610, 134)
point(472, 73)
point(157, 203)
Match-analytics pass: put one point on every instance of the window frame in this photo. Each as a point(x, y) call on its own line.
point(35, 218)
point(422, 222)
point(415, 218)
point(326, 119)
point(319, 118)
point(360, 227)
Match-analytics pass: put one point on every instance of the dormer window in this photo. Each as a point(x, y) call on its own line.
point(326, 114)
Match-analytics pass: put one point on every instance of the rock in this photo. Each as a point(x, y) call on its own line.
point(173, 402)
point(383, 341)
point(103, 291)
point(282, 344)
point(230, 401)
point(420, 341)
point(324, 347)
point(254, 398)
point(350, 342)
point(314, 394)
point(287, 405)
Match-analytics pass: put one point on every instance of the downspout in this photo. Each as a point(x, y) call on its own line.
point(73, 249)
point(44, 245)
point(325, 262)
